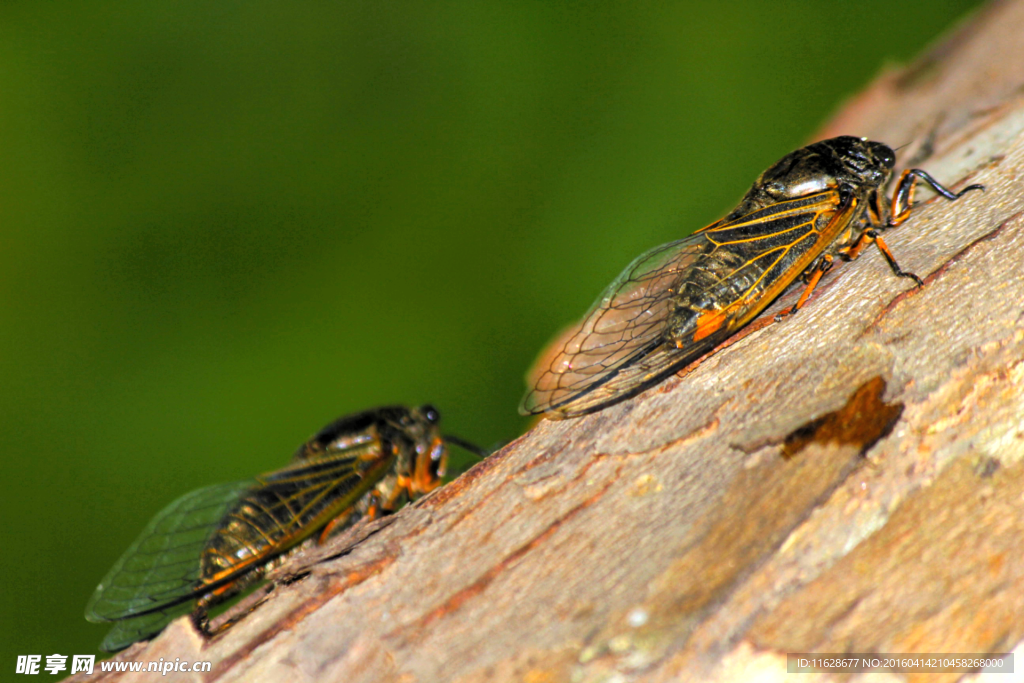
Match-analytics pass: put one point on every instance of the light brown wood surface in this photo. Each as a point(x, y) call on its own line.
point(849, 480)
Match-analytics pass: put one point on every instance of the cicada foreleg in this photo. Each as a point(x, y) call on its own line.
point(403, 486)
point(903, 196)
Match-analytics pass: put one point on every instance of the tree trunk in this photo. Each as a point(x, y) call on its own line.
point(846, 481)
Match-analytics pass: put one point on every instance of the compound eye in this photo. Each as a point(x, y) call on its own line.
point(883, 154)
point(430, 414)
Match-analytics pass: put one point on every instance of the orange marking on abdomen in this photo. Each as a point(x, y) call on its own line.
point(708, 323)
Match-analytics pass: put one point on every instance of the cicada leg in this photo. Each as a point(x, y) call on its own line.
point(899, 210)
point(200, 614)
point(846, 209)
point(403, 485)
point(330, 527)
point(378, 506)
point(822, 266)
point(871, 236)
point(201, 618)
point(903, 196)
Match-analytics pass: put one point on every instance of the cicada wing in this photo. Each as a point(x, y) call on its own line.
point(142, 627)
point(160, 570)
point(161, 567)
point(156, 579)
point(624, 326)
point(649, 366)
point(621, 346)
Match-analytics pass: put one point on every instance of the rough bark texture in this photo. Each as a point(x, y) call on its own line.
point(849, 480)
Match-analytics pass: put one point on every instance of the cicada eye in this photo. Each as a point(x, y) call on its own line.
point(430, 414)
point(881, 155)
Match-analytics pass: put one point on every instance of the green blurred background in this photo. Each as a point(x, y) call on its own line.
point(224, 224)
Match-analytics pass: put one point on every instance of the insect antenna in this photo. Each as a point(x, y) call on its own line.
point(466, 446)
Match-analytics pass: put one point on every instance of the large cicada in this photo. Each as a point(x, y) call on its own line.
point(210, 544)
point(680, 300)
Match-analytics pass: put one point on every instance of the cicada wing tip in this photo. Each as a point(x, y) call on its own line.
point(530, 405)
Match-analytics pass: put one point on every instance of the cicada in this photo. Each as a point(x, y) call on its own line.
point(679, 301)
point(212, 543)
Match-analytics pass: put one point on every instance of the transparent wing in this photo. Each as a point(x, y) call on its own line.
point(162, 565)
point(160, 570)
point(159, 575)
point(623, 327)
point(143, 627)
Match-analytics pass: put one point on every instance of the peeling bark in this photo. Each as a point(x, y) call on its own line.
point(848, 480)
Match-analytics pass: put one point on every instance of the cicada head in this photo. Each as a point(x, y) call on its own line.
point(429, 451)
point(859, 161)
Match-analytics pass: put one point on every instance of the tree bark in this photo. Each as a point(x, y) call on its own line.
point(846, 481)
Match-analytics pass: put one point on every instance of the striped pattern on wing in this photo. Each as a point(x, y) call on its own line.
point(289, 506)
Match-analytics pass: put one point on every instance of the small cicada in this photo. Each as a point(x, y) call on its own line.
point(212, 543)
point(680, 300)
